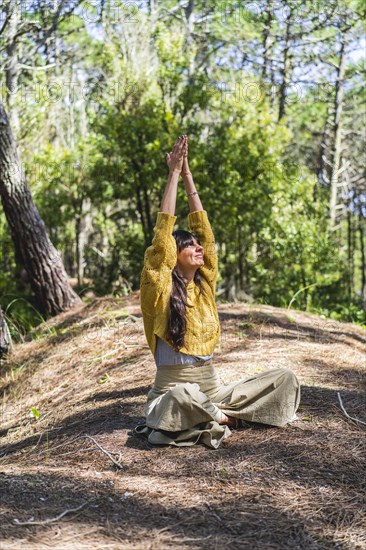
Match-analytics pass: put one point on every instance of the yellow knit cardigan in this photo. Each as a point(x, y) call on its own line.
point(203, 327)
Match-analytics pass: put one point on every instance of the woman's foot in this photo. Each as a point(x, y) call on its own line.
point(230, 421)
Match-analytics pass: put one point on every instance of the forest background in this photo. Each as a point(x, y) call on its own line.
point(272, 96)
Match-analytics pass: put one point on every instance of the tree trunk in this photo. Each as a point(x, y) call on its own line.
point(241, 259)
point(304, 286)
point(54, 112)
point(150, 225)
point(153, 12)
point(363, 257)
point(43, 264)
point(323, 164)
point(350, 254)
point(267, 42)
point(144, 222)
point(189, 36)
point(286, 69)
point(228, 275)
point(11, 71)
point(337, 149)
point(5, 337)
point(83, 228)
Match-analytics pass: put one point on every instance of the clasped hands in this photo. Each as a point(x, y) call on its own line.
point(177, 159)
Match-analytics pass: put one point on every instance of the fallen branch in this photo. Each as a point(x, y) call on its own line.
point(213, 512)
point(346, 413)
point(50, 520)
point(118, 464)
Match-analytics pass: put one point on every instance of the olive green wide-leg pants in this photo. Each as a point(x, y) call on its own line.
point(186, 403)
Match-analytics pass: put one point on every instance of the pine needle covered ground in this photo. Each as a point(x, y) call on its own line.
point(87, 372)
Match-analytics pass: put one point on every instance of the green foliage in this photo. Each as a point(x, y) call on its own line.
point(353, 313)
point(99, 156)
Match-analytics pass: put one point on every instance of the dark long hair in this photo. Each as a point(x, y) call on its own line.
point(177, 323)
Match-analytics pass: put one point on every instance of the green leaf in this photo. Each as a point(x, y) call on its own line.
point(104, 378)
point(34, 413)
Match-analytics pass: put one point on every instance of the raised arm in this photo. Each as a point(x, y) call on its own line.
point(199, 224)
point(161, 256)
point(194, 201)
point(174, 161)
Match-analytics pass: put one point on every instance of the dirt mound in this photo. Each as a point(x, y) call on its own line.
point(87, 372)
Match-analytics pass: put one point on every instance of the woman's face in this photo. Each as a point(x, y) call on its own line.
point(191, 256)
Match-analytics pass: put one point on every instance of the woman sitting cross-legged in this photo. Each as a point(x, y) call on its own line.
point(187, 403)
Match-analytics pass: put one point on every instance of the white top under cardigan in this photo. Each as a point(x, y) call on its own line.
point(166, 355)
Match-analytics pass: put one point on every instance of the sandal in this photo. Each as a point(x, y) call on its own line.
point(235, 423)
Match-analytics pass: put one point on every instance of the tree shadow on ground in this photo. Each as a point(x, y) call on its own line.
point(338, 374)
point(78, 314)
point(115, 416)
point(327, 370)
point(251, 520)
point(322, 331)
point(258, 461)
point(31, 365)
point(117, 394)
point(77, 330)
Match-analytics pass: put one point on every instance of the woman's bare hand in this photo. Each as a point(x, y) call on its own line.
point(174, 159)
point(185, 168)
